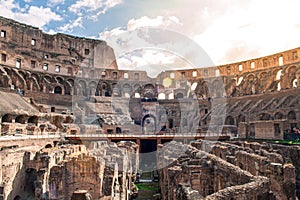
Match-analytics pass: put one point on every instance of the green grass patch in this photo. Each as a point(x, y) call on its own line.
point(147, 186)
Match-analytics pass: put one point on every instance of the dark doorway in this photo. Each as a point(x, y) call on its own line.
point(57, 90)
point(148, 155)
point(148, 146)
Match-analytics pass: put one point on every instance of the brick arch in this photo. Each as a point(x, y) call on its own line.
point(18, 80)
point(92, 88)
point(59, 79)
point(279, 115)
point(81, 87)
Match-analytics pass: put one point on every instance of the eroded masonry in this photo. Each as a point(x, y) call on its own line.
point(74, 126)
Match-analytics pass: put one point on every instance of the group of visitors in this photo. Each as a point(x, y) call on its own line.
point(292, 134)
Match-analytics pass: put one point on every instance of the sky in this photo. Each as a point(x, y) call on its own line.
point(227, 30)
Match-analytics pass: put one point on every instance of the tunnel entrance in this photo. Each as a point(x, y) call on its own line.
point(148, 146)
point(148, 154)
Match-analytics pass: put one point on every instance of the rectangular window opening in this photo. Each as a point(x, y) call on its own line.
point(18, 63)
point(57, 68)
point(32, 64)
point(3, 57)
point(3, 34)
point(45, 67)
point(33, 42)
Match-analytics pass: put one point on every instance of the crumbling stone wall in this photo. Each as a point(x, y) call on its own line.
point(207, 176)
point(101, 171)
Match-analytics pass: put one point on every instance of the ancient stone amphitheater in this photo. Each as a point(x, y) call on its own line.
point(74, 126)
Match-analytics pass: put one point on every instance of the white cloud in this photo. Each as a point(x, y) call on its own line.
point(35, 16)
point(100, 6)
point(70, 26)
point(154, 61)
point(55, 2)
point(251, 30)
point(133, 24)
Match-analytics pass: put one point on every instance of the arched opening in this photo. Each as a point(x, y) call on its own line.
point(149, 124)
point(278, 86)
point(194, 86)
point(137, 95)
point(68, 88)
point(83, 89)
point(118, 130)
point(59, 80)
point(30, 182)
point(162, 96)
point(20, 119)
point(291, 115)
point(17, 197)
point(265, 116)
point(278, 115)
point(179, 95)
point(171, 95)
point(229, 120)
point(48, 146)
point(278, 75)
point(149, 91)
point(33, 120)
point(7, 118)
point(57, 90)
point(94, 89)
point(294, 83)
point(127, 95)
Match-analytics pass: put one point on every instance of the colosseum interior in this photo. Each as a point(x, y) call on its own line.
point(75, 127)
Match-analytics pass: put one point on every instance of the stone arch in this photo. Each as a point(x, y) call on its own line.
point(48, 79)
point(59, 80)
point(58, 90)
point(116, 90)
point(20, 119)
point(278, 115)
point(179, 95)
point(241, 118)
point(68, 88)
point(4, 81)
point(7, 118)
point(17, 197)
point(18, 80)
point(202, 89)
point(106, 89)
point(35, 76)
point(291, 71)
point(149, 124)
point(265, 116)
point(149, 91)
point(291, 115)
point(33, 119)
point(229, 120)
point(217, 88)
point(93, 90)
point(82, 88)
point(33, 84)
point(161, 96)
point(118, 130)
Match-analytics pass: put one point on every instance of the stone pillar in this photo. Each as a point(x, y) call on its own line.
point(138, 142)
